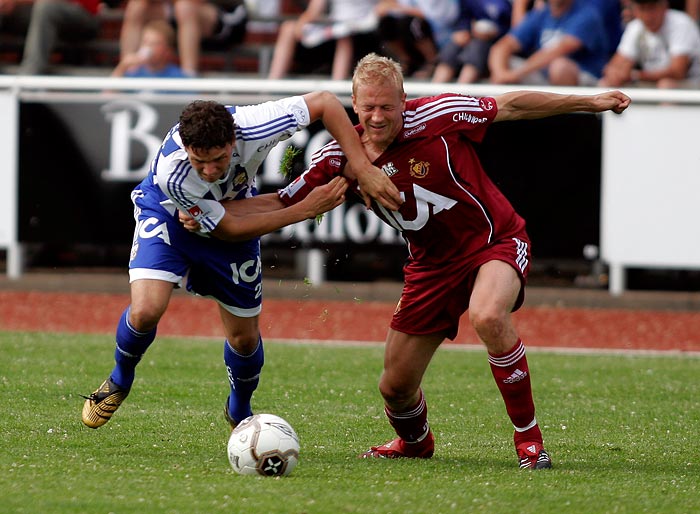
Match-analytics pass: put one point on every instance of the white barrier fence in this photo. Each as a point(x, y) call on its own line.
point(650, 164)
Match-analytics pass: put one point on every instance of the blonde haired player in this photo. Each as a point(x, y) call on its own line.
point(468, 248)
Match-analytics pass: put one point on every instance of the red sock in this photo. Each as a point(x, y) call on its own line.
point(411, 426)
point(512, 375)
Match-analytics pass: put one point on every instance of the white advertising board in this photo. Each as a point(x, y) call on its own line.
point(8, 181)
point(650, 185)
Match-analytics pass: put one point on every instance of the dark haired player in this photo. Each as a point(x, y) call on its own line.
point(213, 154)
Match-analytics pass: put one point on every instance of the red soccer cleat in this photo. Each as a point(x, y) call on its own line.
point(533, 456)
point(398, 448)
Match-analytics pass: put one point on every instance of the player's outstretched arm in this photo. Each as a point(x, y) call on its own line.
point(253, 217)
point(325, 106)
point(528, 105)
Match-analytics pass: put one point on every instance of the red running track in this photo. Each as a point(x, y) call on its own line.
point(306, 320)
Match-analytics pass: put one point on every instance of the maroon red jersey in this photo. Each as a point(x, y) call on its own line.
point(452, 208)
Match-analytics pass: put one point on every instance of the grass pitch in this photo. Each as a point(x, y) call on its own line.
point(622, 431)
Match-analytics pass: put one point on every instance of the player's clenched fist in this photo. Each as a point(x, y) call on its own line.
point(615, 101)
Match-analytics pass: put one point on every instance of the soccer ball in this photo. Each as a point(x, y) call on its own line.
point(263, 444)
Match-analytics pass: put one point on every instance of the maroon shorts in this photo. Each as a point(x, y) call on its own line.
point(433, 300)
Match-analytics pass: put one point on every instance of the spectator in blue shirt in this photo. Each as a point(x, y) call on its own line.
point(611, 12)
point(563, 43)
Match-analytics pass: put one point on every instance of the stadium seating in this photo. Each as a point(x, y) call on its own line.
point(99, 56)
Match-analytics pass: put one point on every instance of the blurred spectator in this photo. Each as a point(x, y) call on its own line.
point(52, 22)
point(198, 23)
point(660, 46)
point(414, 31)
point(156, 55)
point(691, 7)
point(565, 44)
point(480, 24)
point(611, 14)
point(14, 16)
point(521, 8)
point(310, 42)
point(611, 11)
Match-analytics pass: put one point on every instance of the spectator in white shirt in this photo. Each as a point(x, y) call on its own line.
point(660, 47)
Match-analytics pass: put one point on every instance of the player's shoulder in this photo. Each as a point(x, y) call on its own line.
point(262, 112)
point(172, 151)
point(434, 108)
point(268, 119)
point(440, 101)
point(330, 154)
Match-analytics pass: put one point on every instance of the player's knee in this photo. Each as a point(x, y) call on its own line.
point(489, 323)
point(244, 343)
point(144, 318)
point(397, 398)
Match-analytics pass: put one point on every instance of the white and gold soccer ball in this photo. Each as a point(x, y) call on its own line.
point(263, 444)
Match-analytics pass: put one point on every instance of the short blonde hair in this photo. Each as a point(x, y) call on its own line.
point(375, 69)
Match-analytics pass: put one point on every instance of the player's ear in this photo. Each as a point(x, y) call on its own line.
point(354, 105)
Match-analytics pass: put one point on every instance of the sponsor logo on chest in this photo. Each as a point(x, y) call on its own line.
point(390, 169)
point(414, 131)
point(468, 117)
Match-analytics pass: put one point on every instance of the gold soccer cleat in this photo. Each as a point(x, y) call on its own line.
point(101, 404)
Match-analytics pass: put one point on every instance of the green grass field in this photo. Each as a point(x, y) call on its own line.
point(622, 431)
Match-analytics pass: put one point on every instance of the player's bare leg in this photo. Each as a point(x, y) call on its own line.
point(244, 358)
point(406, 357)
point(495, 292)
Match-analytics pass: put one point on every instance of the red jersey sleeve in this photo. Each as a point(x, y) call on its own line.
point(326, 163)
point(448, 113)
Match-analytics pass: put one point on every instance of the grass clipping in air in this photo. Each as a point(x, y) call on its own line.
point(287, 168)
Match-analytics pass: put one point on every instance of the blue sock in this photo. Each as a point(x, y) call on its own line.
point(131, 345)
point(243, 375)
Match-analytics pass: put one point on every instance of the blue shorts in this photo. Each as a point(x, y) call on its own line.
point(230, 273)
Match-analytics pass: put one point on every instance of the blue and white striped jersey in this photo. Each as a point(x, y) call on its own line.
point(172, 183)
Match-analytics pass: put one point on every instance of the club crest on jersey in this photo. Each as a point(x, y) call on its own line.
point(240, 179)
point(390, 169)
point(486, 104)
point(419, 169)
